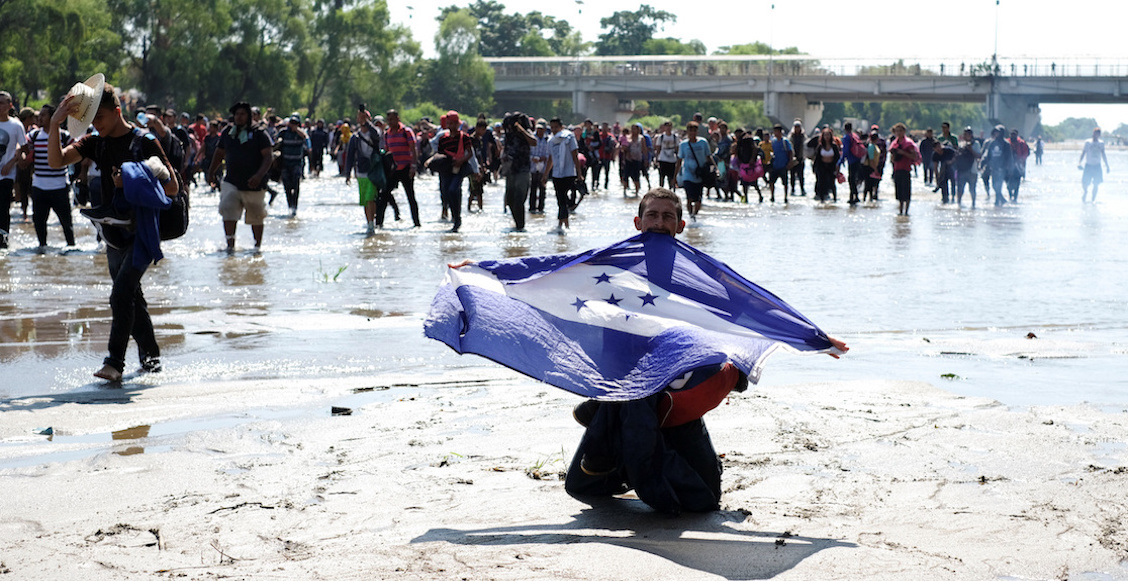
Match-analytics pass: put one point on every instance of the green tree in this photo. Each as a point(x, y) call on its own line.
point(627, 31)
point(48, 45)
point(755, 48)
point(357, 55)
point(171, 46)
point(515, 34)
point(1074, 128)
point(458, 78)
point(673, 46)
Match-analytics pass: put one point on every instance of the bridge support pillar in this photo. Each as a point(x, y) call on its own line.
point(599, 107)
point(785, 108)
point(1015, 112)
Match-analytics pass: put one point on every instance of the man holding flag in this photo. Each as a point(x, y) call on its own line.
point(654, 331)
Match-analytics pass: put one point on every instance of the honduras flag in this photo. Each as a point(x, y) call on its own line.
point(616, 323)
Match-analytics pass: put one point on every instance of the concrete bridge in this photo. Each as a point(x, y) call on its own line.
point(605, 88)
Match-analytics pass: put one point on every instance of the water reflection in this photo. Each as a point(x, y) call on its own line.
point(242, 271)
point(134, 433)
point(856, 270)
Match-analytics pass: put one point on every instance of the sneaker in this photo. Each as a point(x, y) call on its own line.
point(151, 365)
point(105, 214)
point(371, 231)
point(3, 238)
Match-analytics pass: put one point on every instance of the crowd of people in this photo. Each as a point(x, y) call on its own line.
point(252, 155)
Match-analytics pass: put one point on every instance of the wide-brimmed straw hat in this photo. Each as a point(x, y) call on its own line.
point(89, 96)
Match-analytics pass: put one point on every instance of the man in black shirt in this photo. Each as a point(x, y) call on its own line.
point(248, 152)
point(319, 142)
point(110, 148)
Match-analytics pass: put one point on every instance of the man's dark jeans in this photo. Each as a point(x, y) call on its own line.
point(129, 309)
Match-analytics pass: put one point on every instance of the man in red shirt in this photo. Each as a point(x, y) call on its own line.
point(401, 143)
point(905, 155)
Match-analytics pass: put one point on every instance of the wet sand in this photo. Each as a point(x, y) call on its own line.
point(946, 446)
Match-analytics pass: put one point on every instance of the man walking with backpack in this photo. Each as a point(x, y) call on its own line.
point(117, 148)
point(362, 145)
point(248, 152)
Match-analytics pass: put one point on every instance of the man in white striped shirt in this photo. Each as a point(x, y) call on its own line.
point(50, 187)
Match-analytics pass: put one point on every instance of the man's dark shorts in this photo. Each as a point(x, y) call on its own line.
point(692, 190)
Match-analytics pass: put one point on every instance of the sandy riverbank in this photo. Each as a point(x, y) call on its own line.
point(876, 480)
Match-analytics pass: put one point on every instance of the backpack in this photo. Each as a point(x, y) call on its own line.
point(857, 148)
point(172, 222)
point(380, 165)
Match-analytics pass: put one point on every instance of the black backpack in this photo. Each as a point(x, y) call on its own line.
point(173, 222)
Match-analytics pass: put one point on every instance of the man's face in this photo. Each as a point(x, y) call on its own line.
point(945, 128)
point(241, 116)
point(1097, 134)
point(393, 120)
point(555, 127)
point(44, 117)
point(660, 216)
point(928, 133)
point(691, 132)
point(5, 105)
point(104, 119)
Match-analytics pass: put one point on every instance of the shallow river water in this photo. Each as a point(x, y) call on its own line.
point(945, 296)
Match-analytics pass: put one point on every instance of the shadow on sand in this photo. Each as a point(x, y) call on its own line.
point(705, 542)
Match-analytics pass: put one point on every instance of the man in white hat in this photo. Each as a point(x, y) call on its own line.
point(112, 146)
point(12, 139)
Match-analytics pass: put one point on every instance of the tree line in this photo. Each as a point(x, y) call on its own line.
point(322, 57)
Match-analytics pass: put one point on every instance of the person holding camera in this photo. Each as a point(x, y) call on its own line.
point(517, 165)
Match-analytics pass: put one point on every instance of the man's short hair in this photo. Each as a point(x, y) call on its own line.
point(660, 194)
point(777, 127)
point(691, 125)
point(556, 120)
point(109, 98)
point(5, 95)
point(848, 126)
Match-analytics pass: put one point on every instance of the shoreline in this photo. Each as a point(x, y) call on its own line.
point(822, 480)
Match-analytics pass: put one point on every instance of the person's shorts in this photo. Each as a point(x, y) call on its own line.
point(633, 168)
point(235, 203)
point(692, 190)
point(367, 191)
point(777, 173)
point(1092, 175)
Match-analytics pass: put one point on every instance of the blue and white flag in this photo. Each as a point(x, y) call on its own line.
point(616, 323)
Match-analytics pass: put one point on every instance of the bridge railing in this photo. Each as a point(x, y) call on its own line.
point(799, 65)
